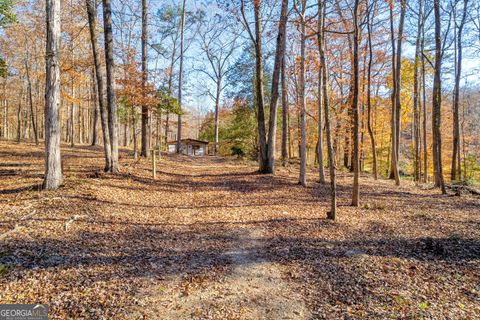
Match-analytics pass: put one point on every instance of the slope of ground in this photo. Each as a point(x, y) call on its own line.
point(211, 239)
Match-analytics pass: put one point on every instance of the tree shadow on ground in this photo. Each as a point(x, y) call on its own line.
point(203, 245)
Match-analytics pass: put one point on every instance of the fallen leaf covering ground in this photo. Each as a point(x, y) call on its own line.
point(211, 239)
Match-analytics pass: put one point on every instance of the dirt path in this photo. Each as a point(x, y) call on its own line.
point(254, 289)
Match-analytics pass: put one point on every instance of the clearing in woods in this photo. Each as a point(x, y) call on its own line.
point(211, 239)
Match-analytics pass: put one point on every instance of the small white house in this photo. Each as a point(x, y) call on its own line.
point(191, 147)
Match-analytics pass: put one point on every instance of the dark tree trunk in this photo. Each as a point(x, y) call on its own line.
point(145, 111)
point(456, 164)
point(30, 100)
point(279, 53)
point(92, 18)
point(437, 102)
point(330, 151)
point(285, 125)
point(369, 96)
point(94, 98)
point(356, 151)
point(321, 170)
point(395, 109)
point(180, 80)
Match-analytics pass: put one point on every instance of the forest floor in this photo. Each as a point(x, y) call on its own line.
point(211, 239)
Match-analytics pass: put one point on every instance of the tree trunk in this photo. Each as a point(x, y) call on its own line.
point(111, 106)
point(53, 166)
point(394, 154)
point(217, 110)
point(5, 109)
point(321, 169)
point(302, 179)
point(369, 97)
point(437, 103)
point(145, 112)
point(279, 53)
point(262, 143)
point(356, 151)
point(72, 116)
point(30, 99)
point(92, 18)
point(416, 97)
point(94, 98)
point(330, 151)
point(180, 80)
point(456, 164)
point(285, 125)
point(19, 116)
point(424, 107)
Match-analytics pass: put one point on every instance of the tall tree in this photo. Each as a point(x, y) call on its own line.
point(145, 111)
point(456, 164)
point(323, 67)
point(285, 113)
point(396, 107)
point(321, 170)
point(437, 101)
point(416, 95)
point(53, 167)
point(369, 90)
point(256, 38)
point(30, 96)
point(218, 43)
point(180, 79)
point(356, 118)
point(92, 23)
point(302, 178)
point(279, 53)
point(111, 104)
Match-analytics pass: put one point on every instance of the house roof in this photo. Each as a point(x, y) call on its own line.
point(189, 140)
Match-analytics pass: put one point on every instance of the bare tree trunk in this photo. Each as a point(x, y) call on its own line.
point(30, 99)
point(285, 125)
point(180, 80)
point(437, 103)
point(279, 53)
point(398, 105)
point(19, 114)
point(259, 94)
point(321, 169)
point(424, 107)
point(112, 108)
point(395, 95)
point(134, 129)
point(145, 112)
point(302, 179)
point(456, 164)
point(369, 96)
point(93, 94)
point(416, 97)
point(72, 116)
point(217, 110)
point(5, 109)
point(92, 17)
point(53, 166)
point(356, 151)
point(330, 151)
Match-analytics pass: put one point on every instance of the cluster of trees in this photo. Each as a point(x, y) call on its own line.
point(367, 85)
point(374, 86)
